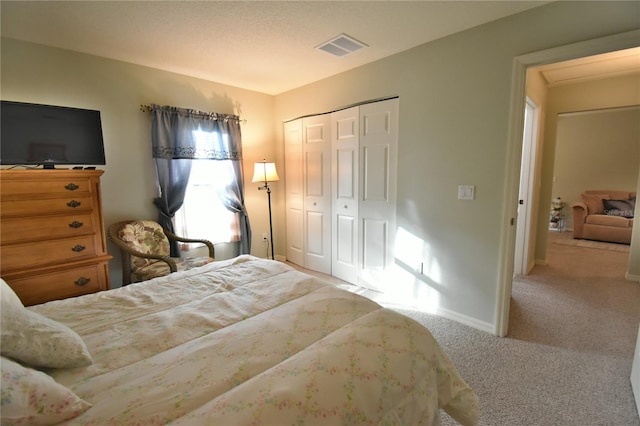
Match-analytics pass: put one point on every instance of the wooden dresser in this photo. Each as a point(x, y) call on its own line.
point(52, 239)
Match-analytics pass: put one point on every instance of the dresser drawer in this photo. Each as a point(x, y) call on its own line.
point(45, 205)
point(52, 187)
point(59, 285)
point(20, 230)
point(28, 255)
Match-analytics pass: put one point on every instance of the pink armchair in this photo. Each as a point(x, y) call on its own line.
point(144, 246)
point(604, 215)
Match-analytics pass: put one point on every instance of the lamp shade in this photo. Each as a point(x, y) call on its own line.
point(265, 172)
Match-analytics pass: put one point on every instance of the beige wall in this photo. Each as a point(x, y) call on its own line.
point(33, 73)
point(596, 150)
point(601, 94)
point(454, 124)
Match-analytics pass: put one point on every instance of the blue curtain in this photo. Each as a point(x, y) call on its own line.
point(175, 142)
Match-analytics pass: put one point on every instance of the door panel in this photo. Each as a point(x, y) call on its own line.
point(374, 244)
point(315, 131)
point(346, 175)
point(295, 237)
point(346, 241)
point(314, 164)
point(375, 173)
point(315, 231)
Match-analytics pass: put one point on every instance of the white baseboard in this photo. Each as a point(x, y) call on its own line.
point(466, 320)
point(280, 258)
point(632, 277)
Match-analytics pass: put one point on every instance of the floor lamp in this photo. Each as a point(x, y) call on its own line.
point(266, 172)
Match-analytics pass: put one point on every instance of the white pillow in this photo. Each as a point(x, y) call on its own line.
point(7, 294)
point(38, 341)
point(31, 397)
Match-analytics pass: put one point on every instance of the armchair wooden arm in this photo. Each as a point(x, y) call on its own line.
point(208, 243)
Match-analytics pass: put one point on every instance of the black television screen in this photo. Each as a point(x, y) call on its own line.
point(47, 135)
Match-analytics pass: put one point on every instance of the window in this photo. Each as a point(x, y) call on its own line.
point(203, 213)
point(198, 155)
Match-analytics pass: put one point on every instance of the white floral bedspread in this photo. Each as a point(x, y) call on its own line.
point(252, 341)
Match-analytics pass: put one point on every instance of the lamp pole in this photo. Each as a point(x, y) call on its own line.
point(270, 222)
point(266, 186)
point(266, 172)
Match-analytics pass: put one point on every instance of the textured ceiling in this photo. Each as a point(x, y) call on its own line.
point(258, 45)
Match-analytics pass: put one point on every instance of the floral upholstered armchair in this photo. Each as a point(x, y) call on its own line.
point(144, 245)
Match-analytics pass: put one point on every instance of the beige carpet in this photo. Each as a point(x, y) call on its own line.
point(565, 238)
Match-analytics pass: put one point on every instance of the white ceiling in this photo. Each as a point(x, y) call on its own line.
point(264, 46)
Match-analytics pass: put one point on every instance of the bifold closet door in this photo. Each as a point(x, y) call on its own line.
point(364, 146)
point(307, 145)
point(294, 191)
point(378, 144)
point(316, 152)
point(344, 192)
point(341, 173)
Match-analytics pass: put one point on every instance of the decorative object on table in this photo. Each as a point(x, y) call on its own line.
point(556, 219)
point(266, 172)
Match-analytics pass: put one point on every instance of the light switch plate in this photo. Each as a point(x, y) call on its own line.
point(466, 192)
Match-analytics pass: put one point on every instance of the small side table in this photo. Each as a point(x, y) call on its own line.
point(556, 217)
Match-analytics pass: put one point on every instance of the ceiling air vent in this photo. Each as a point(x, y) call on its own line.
point(341, 45)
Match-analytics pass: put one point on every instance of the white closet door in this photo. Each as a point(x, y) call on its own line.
point(294, 191)
point(316, 150)
point(344, 192)
point(378, 174)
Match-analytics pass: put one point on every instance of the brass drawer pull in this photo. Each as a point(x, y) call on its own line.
point(71, 187)
point(73, 204)
point(82, 281)
point(75, 224)
point(78, 248)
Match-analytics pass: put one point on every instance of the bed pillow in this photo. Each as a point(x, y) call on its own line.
point(38, 341)
point(7, 294)
point(31, 397)
point(622, 208)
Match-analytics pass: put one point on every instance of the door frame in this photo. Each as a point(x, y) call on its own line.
point(597, 46)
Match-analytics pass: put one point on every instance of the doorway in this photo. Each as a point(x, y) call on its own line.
point(514, 155)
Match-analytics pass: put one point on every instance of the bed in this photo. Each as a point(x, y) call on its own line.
point(245, 341)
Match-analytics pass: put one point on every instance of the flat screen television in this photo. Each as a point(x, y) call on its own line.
point(48, 135)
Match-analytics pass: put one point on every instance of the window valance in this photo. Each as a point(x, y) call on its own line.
point(194, 135)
